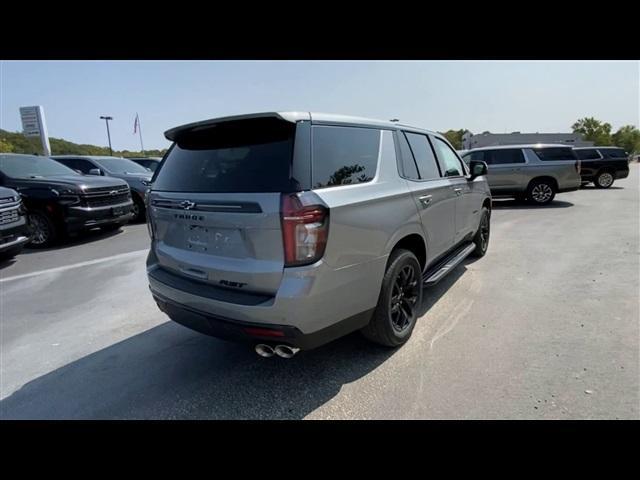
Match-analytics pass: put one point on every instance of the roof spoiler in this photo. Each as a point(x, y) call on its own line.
point(293, 117)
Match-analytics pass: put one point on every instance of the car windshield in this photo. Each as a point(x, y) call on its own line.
point(32, 166)
point(121, 165)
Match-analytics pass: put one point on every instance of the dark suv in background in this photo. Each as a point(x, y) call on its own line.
point(60, 201)
point(151, 163)
point(13, 225)
point(137, 176)
point(603, 165)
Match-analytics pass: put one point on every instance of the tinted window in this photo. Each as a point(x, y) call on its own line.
point(243, 156)
point(589, 154)
point(120, 165)
point(613, 153)
point(344, 155)
point(423, 153)
point(409, 168)
point(553, 153)
point(448, 159)
point(475, 156)
point(25, 166)
point(502, 157)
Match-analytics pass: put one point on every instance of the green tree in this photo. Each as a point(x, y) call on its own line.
point(627, 137)
point(593, 130)
point(455, 137)
point(5, 146)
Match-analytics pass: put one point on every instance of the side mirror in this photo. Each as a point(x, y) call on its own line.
point(95, 171)
point(477, 168)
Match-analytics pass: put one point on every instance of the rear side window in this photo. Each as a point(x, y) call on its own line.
point(343, 155)
point(423, 153)
point(503, 157)
point(243, 156)
point(590, 154)
point(613, 153)
point(409, 169)
point(448, 159)
point(555, 154)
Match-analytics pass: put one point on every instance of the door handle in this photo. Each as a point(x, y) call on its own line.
point(458, 191)
point(425, 200)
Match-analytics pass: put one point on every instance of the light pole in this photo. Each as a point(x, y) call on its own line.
point(106, 120)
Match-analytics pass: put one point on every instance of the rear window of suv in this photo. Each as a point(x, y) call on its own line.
point(243, 156)
point(555, 153)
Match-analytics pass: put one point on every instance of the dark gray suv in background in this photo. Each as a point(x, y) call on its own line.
point(291, 229)
point(137, 176)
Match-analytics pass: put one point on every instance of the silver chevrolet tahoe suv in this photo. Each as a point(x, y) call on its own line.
point(289, 230)
point(532, 172)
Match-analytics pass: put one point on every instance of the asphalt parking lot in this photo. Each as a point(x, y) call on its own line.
point(545, 326)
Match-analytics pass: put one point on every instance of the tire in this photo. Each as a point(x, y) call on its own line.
point(604, 179)
point(138, 210)
point(400, 298)
point(481, 238)
point(541, 192)
point(42, 230)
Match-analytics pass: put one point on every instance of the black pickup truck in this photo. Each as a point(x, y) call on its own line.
point(602, 165)
point(60, 201)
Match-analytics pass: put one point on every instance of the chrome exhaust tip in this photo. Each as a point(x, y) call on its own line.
point(285, 351)
point(264, 350)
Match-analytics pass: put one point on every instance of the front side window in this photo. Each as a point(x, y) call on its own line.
point(422, 152)
point(343, 155)
point(613, 153)
point(449, 161)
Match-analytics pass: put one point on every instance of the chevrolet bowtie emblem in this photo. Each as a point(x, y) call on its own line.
point(187, 205)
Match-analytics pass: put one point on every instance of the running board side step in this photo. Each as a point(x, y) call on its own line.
point(438, 272)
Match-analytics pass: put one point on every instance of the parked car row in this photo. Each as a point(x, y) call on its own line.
point(63, 195)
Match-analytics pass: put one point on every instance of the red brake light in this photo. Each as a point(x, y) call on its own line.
point(304, 231)
point(263, 332)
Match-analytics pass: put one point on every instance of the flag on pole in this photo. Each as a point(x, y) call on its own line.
point(136, 124)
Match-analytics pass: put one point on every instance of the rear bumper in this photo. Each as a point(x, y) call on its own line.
point(81, 218)
point(234, 330)
point(315, 302)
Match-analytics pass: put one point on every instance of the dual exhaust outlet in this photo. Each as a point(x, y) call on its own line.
point(284, 351)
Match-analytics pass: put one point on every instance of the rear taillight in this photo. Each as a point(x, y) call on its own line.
point(304, 231)
point(578, 166)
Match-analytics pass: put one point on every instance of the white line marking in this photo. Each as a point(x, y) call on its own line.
point(75, 265)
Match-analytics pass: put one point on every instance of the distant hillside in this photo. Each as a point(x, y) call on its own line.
point(15, 142)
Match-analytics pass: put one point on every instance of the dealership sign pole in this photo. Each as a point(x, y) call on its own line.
point(34, 125)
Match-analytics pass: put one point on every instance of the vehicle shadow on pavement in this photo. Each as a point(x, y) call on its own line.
point(171, 372)
point(7, 262)
point(522, 205)
point(593, 187)
point(80, 239)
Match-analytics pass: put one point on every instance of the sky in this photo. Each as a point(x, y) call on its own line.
point(505, 96)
